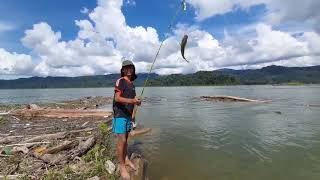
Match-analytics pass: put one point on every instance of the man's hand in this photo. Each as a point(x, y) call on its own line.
point(136, 101)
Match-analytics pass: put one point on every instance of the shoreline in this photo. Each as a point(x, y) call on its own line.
point(35, 147)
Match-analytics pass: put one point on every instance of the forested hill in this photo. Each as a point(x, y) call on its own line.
point(266, 75)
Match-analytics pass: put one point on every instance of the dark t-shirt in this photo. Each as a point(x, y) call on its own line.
point(127, 90)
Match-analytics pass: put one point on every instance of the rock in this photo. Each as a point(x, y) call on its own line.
point(94, 178)
point(33, 106)
point(278, 112)
point(110, 167)
point(23, 149)
point(141, 165)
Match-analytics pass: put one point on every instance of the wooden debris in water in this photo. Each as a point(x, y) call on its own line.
point(232, 99)
point(138, 132)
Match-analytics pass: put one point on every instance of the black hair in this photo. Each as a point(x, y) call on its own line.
point(133, 76)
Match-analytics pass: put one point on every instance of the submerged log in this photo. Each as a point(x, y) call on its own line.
point(314, 105)
point(233, 98)
point(61, 113)
point(138, 132)
point(141, 165)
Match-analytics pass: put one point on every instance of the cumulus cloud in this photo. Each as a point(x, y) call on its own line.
point(105, 38)
point(279, 12)
point(15, 64)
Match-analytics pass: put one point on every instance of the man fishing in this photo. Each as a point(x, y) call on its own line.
point(123, 107)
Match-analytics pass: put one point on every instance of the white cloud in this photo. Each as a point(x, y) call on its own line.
point(15, 64)
point(278, 12)
point(267, 47)
point(208, 8)
point(104, 38)
point(6, 26)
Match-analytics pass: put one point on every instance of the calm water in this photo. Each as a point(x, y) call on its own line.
point(195, 139)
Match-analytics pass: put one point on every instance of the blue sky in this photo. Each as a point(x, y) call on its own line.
point(61, 14)
point(223, 34)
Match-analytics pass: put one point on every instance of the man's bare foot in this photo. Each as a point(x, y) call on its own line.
point(130, 164)
point(124, 173)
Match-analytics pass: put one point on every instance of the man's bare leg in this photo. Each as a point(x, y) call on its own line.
point(121, 151)
point(127, 160)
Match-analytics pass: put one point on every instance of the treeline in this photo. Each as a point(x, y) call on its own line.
point(201, 78)
point(266, 75)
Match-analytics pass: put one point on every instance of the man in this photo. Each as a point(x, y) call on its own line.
point(123, 105)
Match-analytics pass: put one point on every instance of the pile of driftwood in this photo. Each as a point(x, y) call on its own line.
point(45, 150)
point(35, 140)
point(56, 149)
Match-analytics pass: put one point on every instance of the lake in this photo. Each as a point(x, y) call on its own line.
point(196, 139)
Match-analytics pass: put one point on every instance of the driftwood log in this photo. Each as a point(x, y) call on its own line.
point(83, 147)
point(55, 159)
point(232, 99)
point(25, 144)
point(60, 147)
point(54, 136)
point(59, 135)
point(10, 139)
point(61, 113)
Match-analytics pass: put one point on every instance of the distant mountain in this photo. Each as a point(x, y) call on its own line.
point(266, 75)
point(68, 82)
point(276, 75)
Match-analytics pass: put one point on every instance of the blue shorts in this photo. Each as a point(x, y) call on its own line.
point(121, 125)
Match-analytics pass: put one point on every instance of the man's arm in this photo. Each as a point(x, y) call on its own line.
point(120, 99)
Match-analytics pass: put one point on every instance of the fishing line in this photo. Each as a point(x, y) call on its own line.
point(183, 7)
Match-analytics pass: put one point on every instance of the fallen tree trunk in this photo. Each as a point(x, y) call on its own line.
point(232, 98)
point(13, 177)
point(10, 139)
point(59, 135)
point(63, 146)
point(25, 144)
point(61, 113)
point(83, 147)
point(54, 159)
point(4, 113)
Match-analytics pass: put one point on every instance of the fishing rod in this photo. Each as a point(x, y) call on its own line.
point(182, 7)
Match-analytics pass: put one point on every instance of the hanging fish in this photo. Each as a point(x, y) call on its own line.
point(183, 46)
